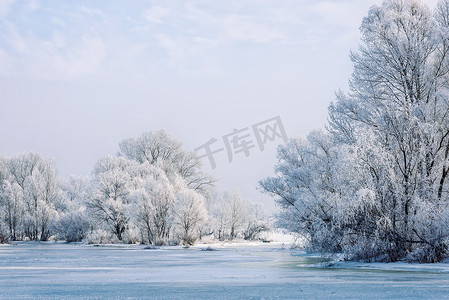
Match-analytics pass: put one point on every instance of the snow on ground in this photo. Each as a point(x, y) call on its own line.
point(251, 270)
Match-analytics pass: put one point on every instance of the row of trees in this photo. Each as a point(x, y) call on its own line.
point(375, 184)
point(151, 192)
point(29, 196)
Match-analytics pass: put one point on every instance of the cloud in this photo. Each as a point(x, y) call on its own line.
point(342, 13)
point(155, 14)
point(188, 54)
point(84, 58)
point(53, 58)
point(215, 22)
point(244, 28)
point(192, 34)
point(14, 39)
point(56, 48)
point(195, 35)
point(5, 6)
point(33, 5)
point(91, 11)
point(58, 22)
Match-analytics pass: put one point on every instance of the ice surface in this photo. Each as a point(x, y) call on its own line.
point(68, 271)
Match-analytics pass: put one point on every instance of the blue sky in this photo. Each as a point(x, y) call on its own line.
point(77, 77)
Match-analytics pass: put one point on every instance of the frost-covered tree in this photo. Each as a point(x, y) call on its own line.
point(152, 192)
point(74, 220)
point(110, 195)
point(11, 202)
point(136, 191)
point(154, 203)
point(76, 189)
point(162, 149)
point(311, 181)
point(219, 212)
point(236, 212)
point(23, 166)
point(29, 193)
point(382, 172)
point(72, 225)
point(229, 213)
point(255, 222)
point(41, 192)
point(189, 215)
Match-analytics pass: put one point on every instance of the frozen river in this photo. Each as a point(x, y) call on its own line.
point(67, 271)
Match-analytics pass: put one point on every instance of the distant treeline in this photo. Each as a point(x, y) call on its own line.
point(151, 192)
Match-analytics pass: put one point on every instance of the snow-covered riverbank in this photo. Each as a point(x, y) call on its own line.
point(271, 270)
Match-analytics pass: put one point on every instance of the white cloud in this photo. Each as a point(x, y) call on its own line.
point(5, 6)
point(53, 59)
point(85, 58)
point(192, 33)
point(58, 39)
point(33, 5)
point(14, 39)
point(91, 11)
point(179, 48)
point(244, 28)
point(58, 21)
point(341, 13)
point(155, 14)
point(58, 51)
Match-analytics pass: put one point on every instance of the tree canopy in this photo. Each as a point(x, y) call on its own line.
point(374, 185)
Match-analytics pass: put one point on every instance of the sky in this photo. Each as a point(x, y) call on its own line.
point(77, 77)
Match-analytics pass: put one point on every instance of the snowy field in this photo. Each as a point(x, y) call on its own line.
point(270, 271)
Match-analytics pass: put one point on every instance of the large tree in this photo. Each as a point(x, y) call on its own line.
point(378, 187)
point(110, 195)
point(189, 215)
point(150, 186)
point(29, 194)
point(161, 149)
